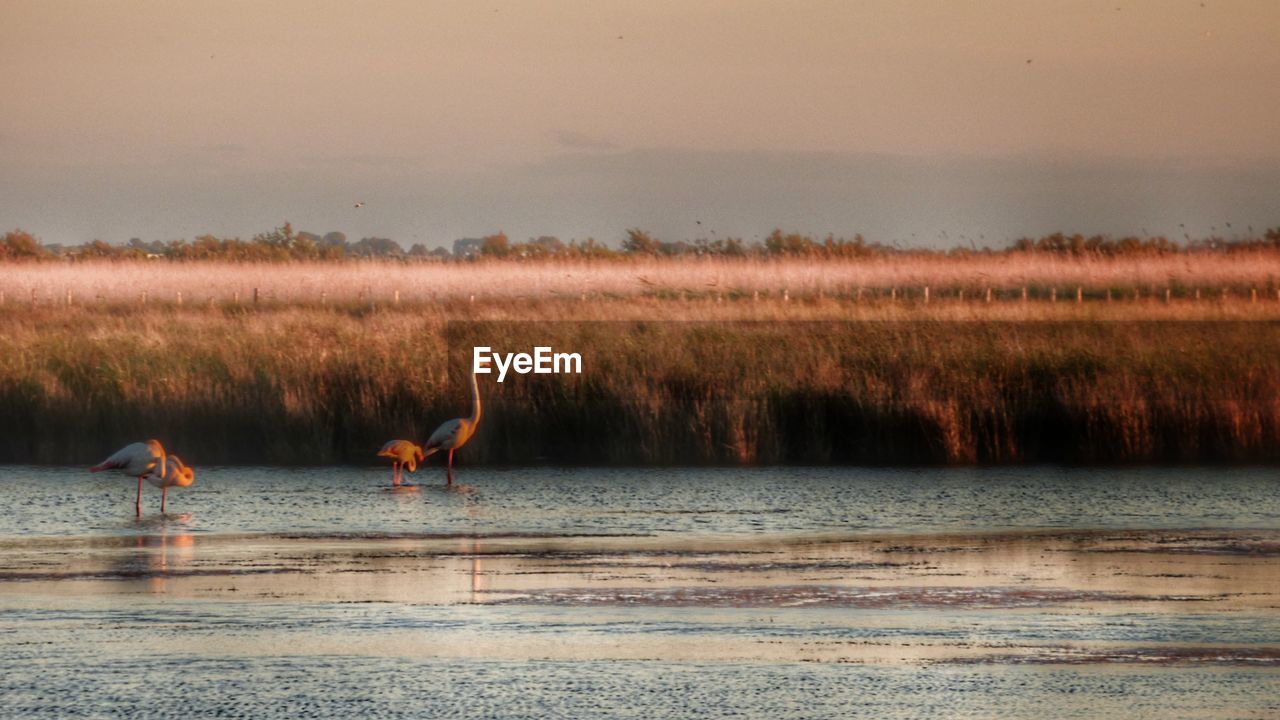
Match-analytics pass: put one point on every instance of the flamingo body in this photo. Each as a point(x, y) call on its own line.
point(455, 433)
point(451, 435)
point(138, 460)
point(403, 454)
point(134, 459)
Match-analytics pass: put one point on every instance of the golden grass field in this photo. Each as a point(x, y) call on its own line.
point(686, 362)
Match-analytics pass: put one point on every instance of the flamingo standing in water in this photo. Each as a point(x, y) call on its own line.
point(177, 475)
point(403, 454)
point(138, 460)
point(456, 432)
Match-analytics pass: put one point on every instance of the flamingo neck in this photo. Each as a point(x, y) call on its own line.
point(158, 456)
point(475, 400)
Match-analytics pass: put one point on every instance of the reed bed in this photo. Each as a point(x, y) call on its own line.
point(701, 382)
point(1043, 275)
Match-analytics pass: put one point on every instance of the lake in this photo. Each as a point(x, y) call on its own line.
point(547, 592)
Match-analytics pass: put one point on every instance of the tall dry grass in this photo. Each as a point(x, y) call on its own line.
point(672, 383)
point(309, 283)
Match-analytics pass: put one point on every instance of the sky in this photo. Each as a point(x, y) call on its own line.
point(922, 123)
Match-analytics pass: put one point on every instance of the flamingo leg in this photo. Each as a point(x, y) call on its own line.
point(395, 473)
point(164, 495)
point(449, 469)
point(137, 504)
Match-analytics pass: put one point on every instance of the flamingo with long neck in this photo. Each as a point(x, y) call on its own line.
point(138, 460)
point(456, 432)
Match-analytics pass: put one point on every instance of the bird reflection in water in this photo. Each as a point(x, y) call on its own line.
point(164, 548)
point(474, 511)
point(479, 582)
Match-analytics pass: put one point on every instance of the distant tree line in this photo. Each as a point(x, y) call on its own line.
point(284, 244)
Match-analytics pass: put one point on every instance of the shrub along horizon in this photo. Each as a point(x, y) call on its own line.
point(284, 244)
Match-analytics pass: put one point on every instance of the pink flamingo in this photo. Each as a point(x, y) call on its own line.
point(403, 454)
point(455, 433)
point(178, 475)
point(138, 460)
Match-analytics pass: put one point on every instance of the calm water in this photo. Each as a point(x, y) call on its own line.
point(151, 658)
point(271, 593)
point(754, 502)
point(257, 687)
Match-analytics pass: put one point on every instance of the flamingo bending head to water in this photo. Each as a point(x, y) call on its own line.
point(456, 432)
point(403, 454)
point(178, 474)
point(138, 460)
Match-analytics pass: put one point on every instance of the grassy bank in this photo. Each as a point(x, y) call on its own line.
point(765, 383)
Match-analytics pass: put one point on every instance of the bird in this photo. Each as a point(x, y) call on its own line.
point(455, 433)
point(360, 204)
point(177, 474)
point(403, 454)
point(138, 460)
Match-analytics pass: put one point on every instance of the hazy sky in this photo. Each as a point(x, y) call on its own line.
point(898, 119)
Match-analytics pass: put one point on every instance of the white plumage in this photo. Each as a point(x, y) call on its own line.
point(148, 461)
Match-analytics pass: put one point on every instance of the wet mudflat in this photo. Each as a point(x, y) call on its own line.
point(482, 603)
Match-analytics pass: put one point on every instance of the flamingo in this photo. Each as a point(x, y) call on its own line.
point(138, 460)
point(455, 433)
point(178, 475)
point(403, 454)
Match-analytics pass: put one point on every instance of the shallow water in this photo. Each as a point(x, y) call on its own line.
point(690, 502)
point(624, 593)
point(356, 686)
